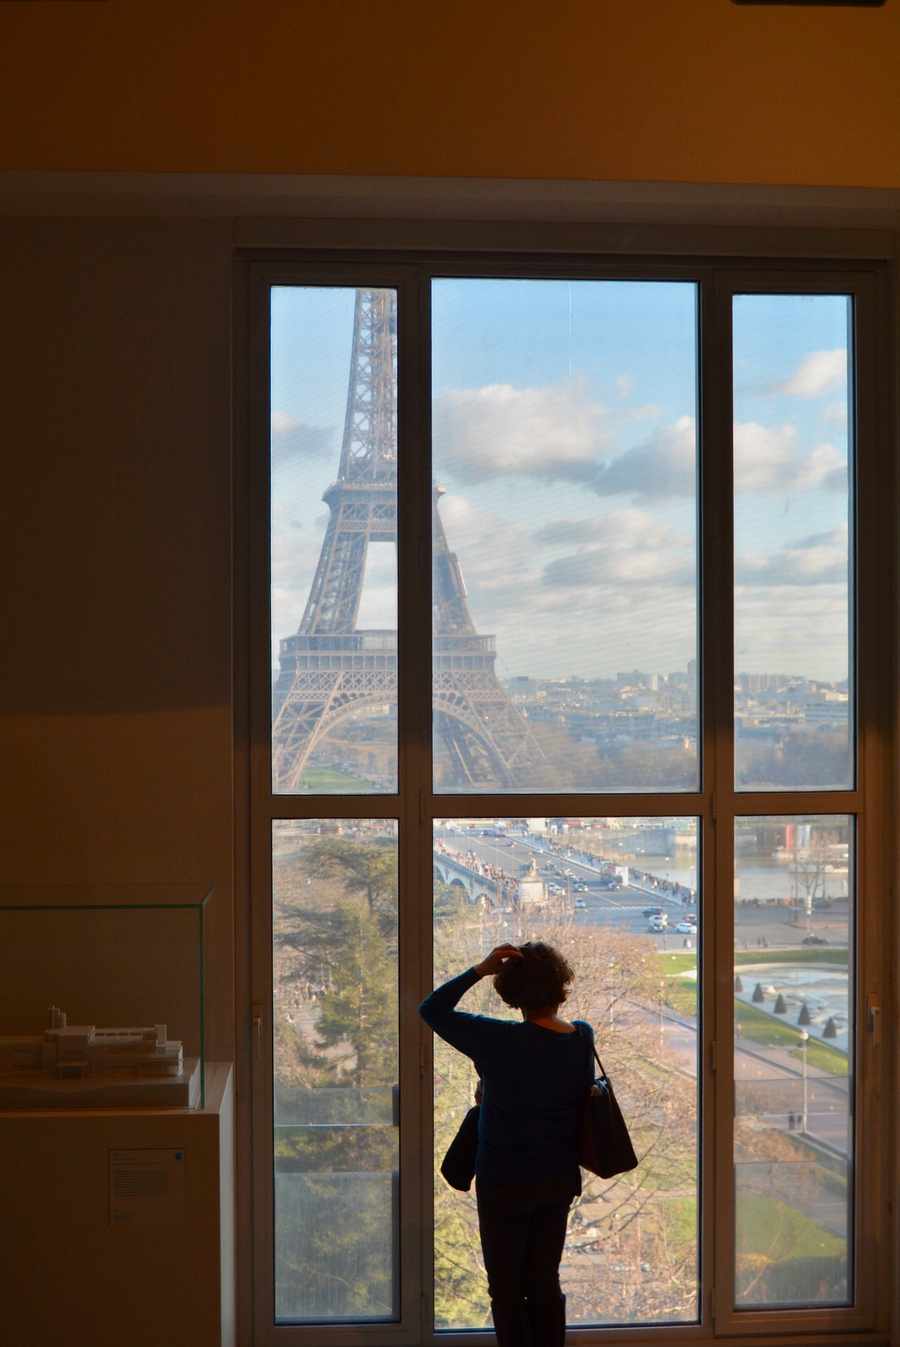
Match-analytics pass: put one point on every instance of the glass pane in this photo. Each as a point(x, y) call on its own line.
point(793, 1060)
point(565, 493)
point(618, 897)
point(793, 690)
point(336, 1070)
point(334, 536)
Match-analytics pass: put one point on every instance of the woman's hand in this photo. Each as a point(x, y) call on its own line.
point(496, 959)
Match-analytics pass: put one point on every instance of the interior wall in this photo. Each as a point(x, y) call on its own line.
point(696, 91)
point(115, 701)
point(116, 707)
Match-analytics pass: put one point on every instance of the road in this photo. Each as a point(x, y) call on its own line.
point(755, 927)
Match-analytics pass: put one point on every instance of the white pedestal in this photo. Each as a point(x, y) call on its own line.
point(22, 1090)
point(119, 1224)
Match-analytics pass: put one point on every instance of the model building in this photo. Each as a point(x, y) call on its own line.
point(73, 1051)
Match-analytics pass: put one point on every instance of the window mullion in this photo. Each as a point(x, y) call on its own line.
point(717, 680)
point(414, 765)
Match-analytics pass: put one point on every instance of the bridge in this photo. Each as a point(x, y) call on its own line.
point(452, 870)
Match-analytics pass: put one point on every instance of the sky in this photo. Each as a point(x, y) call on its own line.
point(565, 439)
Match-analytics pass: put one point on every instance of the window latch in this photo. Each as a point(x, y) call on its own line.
point(256, 1022)
point(873, 1018)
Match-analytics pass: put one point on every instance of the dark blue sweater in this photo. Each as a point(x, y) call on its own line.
point(533, 1081)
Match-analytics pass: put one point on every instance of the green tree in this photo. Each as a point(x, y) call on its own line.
point(359, 1006)
point(368, 869)
point(336, 1057)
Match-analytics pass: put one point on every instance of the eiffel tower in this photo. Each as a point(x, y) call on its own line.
point(332, 670)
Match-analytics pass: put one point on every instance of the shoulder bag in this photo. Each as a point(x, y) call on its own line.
point(458, 1165)
point(604, 1146)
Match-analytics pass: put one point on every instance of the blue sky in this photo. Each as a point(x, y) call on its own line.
point(565, 439)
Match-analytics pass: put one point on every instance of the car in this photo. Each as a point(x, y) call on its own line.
point(579, 886)
point(813, 940)
point(652, 912)
point(686, 928)
point(580, 903)
point(658, 923)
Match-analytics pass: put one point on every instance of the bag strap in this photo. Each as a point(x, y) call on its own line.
point(594, 1048)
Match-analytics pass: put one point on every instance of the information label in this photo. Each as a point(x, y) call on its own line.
point(147, 1187)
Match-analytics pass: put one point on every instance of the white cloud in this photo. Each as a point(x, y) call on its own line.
point(817, 373)
point(283, 423)
point(624, 385)
point(292, 439)
point(624, 594)
point(798, 629)
point(819, 559)
point(762, 455)
point(625, 528)
point(665, 465)
point(835, 414)
point(627, 546)
point(556, 432)
point(766, 459)
point(823, 466)
point(591, 567)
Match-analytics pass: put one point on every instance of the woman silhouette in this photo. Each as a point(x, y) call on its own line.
point(534, 1077)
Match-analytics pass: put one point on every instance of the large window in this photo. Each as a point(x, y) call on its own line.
point(559, 629)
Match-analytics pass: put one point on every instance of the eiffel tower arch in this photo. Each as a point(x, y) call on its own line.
point(332, 671)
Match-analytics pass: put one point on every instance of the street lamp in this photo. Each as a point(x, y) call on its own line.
point(804, 1041)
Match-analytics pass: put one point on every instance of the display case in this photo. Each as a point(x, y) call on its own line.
point(103, 996)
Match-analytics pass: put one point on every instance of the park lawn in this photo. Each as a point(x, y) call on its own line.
point(824, 1058)
point(811, 954)
point(677, 963)
point(768, 1226)
point(681, 992)
point(681, 995)
point(761, 1028)
point(330, 779)
point(684, 963)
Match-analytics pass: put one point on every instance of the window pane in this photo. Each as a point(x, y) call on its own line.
point(793, 542)
point(618, 897)
point(336, 1070)
point(564, 418)
point(334, 535)
point(793, 1060)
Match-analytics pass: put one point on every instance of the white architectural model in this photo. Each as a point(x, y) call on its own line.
point(75, 1051)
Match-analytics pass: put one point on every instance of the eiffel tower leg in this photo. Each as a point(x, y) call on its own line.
point(488, 741)
point(317, 704)
point(299, 726)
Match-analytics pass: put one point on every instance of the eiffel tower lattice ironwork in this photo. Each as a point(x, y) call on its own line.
point(331, 670)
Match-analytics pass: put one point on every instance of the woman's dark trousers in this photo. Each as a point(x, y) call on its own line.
point(523, 1230)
